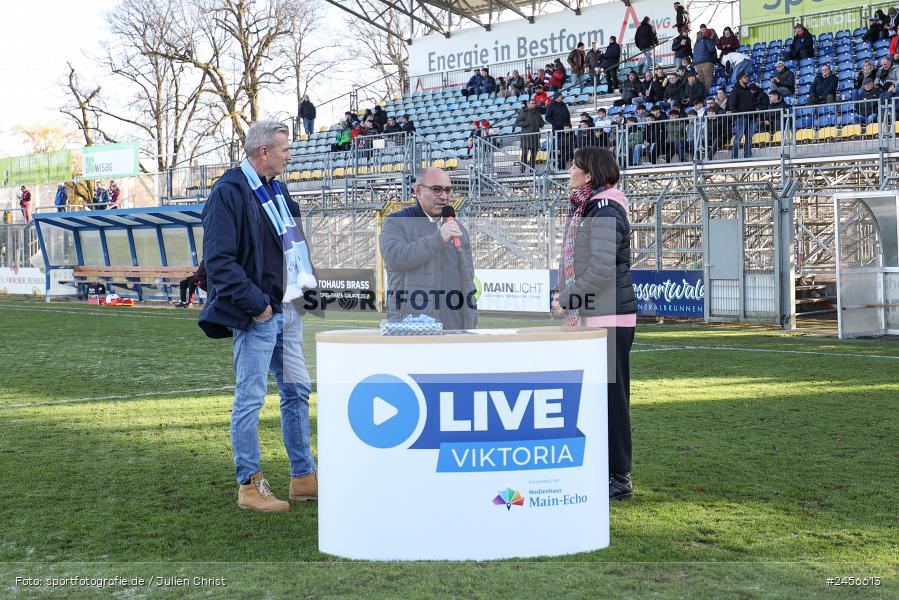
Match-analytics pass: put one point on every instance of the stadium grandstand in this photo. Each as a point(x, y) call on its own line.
point(687, 162)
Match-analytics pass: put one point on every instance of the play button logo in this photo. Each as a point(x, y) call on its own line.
point(383, 411)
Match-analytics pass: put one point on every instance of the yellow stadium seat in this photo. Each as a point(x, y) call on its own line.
point(338, 172)
point(872, 130)
point(452, 163)
point(761, 138)
point(396, 96)
point(304, 137)
point(363, 170)
point(805, 135)
point(322, 129)
point(350, 171)
point(851, 131)
point(317, 174)
point(827, 133)
point(209, 182)
point(776, 138)
point(896, 126)
point(398, 167)
point(541, 156)
point(438, 163)
point(306, 175)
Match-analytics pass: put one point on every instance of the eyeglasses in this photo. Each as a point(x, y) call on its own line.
point(438, 190)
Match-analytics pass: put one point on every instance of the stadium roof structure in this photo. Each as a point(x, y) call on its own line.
point(444, 16)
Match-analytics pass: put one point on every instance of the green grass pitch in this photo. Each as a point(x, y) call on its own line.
point(765, 463)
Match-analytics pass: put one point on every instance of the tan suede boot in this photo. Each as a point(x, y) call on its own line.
point(257, 495)
point(304, 488)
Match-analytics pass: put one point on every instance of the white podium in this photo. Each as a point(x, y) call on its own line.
point(462, 446)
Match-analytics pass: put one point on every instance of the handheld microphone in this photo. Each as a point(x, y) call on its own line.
point(449, 214)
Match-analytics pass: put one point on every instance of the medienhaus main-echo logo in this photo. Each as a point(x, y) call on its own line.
point(477, 422)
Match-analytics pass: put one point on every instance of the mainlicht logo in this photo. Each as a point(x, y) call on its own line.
point(478, 288)
point(509, 498)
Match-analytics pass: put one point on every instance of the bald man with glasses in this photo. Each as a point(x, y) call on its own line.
point(426, 273)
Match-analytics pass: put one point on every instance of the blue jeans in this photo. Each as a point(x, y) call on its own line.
point(647, 61)
point(639, 150)
point(275, 345)
point(308, 126)
point(742, 67)
point(741, 128)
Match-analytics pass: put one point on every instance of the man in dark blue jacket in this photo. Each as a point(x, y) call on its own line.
point(802, 46)
point(610, 59)
point(256, 260)
point(824, 88)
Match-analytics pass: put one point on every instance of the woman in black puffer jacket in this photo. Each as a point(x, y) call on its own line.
point(594, 274)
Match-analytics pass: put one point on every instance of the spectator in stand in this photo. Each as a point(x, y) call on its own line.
point(594, 64)
point(728, 42)
point(657, 113)
point(114, 194)
point(771, 121)
point(577, 60)
point(783, 81)
point(742, 101)
point(502, 88)
point(705, 56)
point(701, 34)
point(344, 138)
point(686, 145)
point(407, 125)
point(474, 84)
point(674, 131)
point(721, 98)
point(489, 84)
point(655, 136)
point(682, 46)
point(307, 114)
point(737, 63)
point(875, 31)
point(536, 81)
point(892, 21)
point(101, 197)
point(661, 82)
point(646, 148)
point(351, 118)
point(824, 88)
point(633, 137)
point(25, 203)
point(517, 84)
point(631, 90)
point(475, 133)
point(645, 39)
point(604, 128)
point(367, 115)
point(557, 79)
point(380, 117)
point(567, 140)
point(884, 21)
point(868, 100)
point(760, 98)
point(584, 135)
point(610, 60)
point(648, 80)
point(641, 113)
point(188, 287)
point(887, 78)
point(694, 90)
point(530, 122)
point(392, 126)
point(558, 116)
point(868, 70)
point(681, 16)
point(802, 46)
point(62, 198)
point(674, 90)
point(543, 99)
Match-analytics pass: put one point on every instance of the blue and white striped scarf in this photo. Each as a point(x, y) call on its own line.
point(296, 252)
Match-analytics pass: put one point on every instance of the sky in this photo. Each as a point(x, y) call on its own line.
point(37, 37)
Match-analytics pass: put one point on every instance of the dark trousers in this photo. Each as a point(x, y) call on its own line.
point(529, 154)
point(619, 400)
point(612, 78)
point(188, 285)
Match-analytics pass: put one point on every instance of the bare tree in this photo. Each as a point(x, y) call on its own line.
point(306, 58)
point(166, 95)
point(381, 51)
point(235, 44)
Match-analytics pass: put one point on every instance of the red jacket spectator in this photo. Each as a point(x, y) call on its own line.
point(893, 48)
point(542, 98)
point(558, 79)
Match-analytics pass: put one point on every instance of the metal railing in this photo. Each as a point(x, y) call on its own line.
point(823, 22)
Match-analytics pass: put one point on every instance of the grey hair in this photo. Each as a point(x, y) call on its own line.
point(262, 133)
